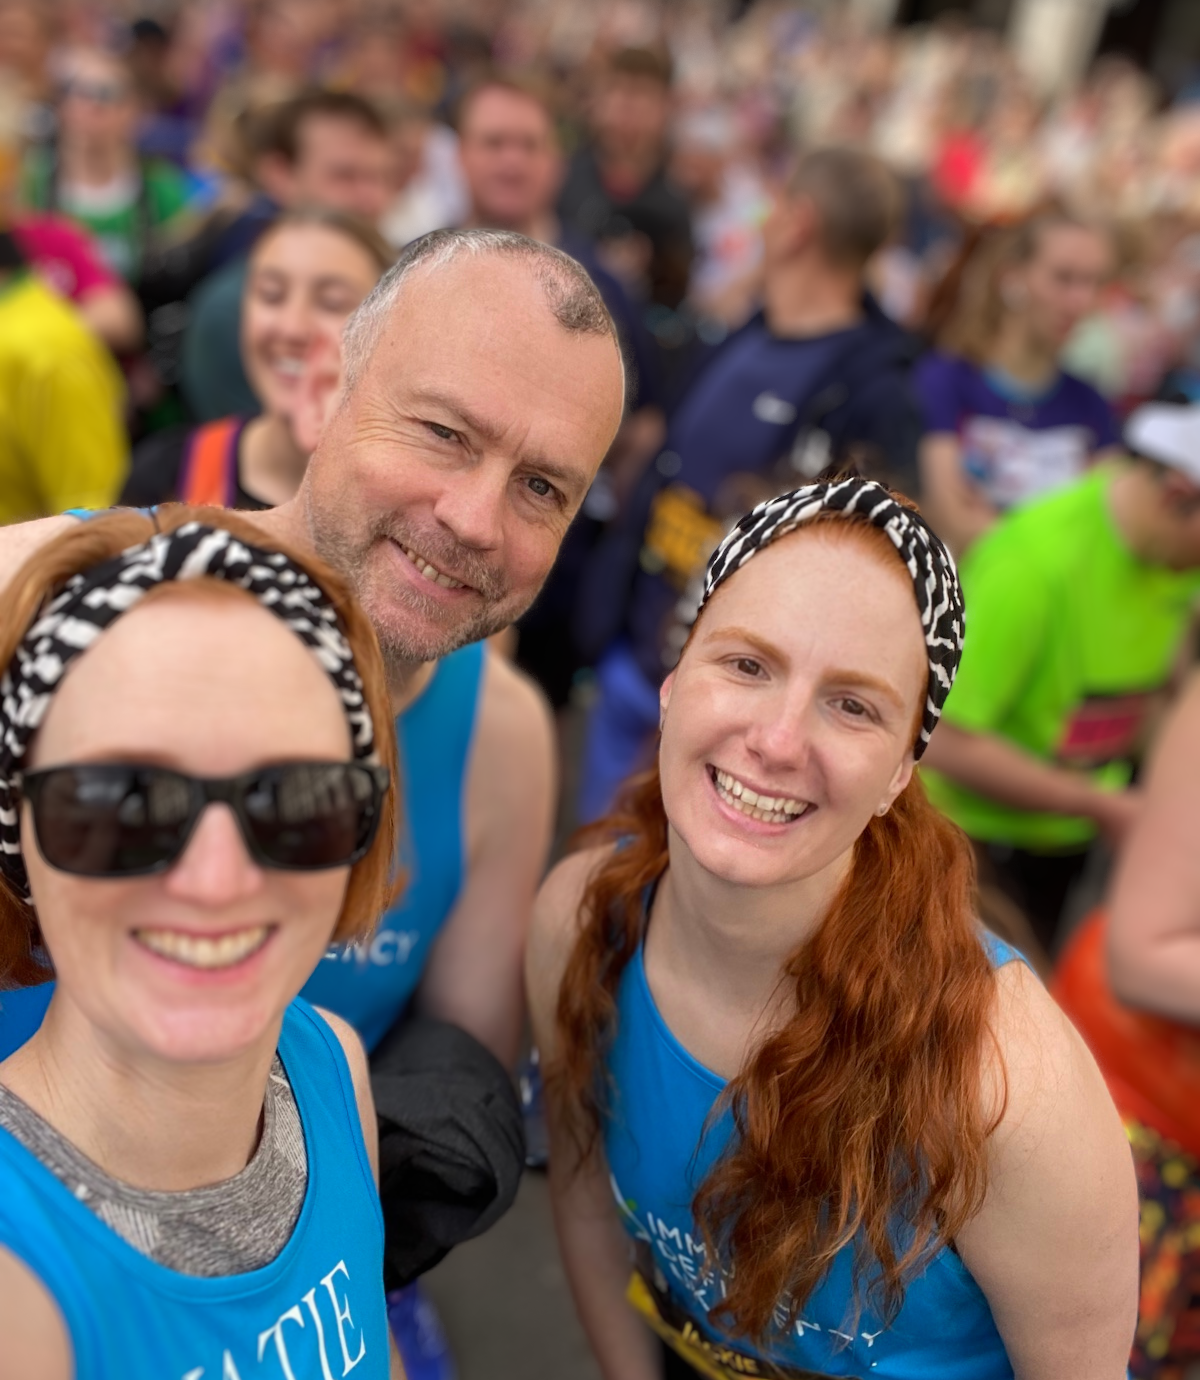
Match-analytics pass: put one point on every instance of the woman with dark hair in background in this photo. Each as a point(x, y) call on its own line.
point(1003, 422)
point(846, 1134)
point(306, 274)
point(193, 803)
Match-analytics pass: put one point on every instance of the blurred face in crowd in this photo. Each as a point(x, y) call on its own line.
point(340, 164)
point(510, 157)
point(630, 114)
point(1060, 284)
point(791, 717)
point(195, 964)
point(302, 284)
point(98, 106)
point(443, 485)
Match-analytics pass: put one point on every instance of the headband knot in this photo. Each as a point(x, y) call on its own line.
point(930, 566)
point(92, 600)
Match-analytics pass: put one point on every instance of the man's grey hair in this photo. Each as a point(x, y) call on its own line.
point(570, 294)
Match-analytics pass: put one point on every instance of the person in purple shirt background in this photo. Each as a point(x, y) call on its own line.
point(1003, 422)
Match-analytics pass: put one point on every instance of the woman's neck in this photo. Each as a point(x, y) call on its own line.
point(94, 165)
point(150, 1123)
point(1022, 357)
point(270, 463)
point(733, 938)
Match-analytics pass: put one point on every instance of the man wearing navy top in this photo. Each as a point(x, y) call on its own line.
point(818, 379)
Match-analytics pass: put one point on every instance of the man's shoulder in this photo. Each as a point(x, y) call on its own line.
point(513, 712)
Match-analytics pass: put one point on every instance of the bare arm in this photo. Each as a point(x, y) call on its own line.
point(1055, 1246)
point(955, 507)
point(35, 1340)
point(1154, 919)
point(473, 978)
point(20, 541)
point(594, 1248)
point(1004, 772)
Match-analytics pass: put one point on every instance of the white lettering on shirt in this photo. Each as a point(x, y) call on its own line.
point(344, 1316)
point(388, 948)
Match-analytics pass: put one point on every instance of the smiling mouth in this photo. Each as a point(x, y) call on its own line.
point(430, 572)
point(769, 809)
point(209, 952)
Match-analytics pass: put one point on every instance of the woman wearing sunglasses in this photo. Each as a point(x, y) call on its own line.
point(192, 805)
point(843, 1131)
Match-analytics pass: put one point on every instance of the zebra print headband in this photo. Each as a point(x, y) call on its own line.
point(934, 577)
point(94, 599)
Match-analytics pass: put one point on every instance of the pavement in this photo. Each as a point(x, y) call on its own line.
point(505, 1302)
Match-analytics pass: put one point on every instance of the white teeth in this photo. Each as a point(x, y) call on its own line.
point(773, 809)
point(294, 367)
point(431, 572)
point(198, 951)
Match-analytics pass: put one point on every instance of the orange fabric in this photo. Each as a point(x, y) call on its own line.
point(1151, 1065)
point(208, 475)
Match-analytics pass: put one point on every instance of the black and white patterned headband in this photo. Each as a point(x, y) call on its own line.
point(94, 599)
point(934, 577)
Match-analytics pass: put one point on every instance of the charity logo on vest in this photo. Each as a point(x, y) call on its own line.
point(301, 1335)
point(385, 949)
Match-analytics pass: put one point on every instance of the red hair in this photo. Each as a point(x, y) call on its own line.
point(866, 1109)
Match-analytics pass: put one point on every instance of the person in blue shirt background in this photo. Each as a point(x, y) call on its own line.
point(819, 379)
point(847, 1131)
point(1003, 421)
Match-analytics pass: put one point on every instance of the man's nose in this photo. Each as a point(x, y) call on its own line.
point(471, 504)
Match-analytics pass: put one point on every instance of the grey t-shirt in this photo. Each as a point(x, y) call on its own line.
point(227, 1228)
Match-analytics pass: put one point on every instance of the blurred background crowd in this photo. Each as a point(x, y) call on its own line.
point(957, 249)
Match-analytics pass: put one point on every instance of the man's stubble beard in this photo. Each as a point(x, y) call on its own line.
point(403, 649)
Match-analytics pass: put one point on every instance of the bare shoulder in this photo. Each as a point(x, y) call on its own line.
point(511, 787)
point(352, 1048)
point(513, 712)
point(1050, 1086)
point(557, 919)
point(35, 1336)
point(22, 539)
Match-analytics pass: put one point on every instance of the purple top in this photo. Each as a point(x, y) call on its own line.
point(1016, 443)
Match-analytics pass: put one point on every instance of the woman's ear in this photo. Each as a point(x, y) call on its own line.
point(664, 699)
point(900, 779)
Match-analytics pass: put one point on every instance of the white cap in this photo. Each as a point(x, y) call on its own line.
point(1168, 433)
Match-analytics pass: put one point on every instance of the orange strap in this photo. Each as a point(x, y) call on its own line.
point(209, 476)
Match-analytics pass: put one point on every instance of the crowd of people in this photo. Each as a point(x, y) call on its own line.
point(769, 444)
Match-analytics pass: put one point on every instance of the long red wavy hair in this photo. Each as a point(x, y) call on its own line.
point(862, 1120)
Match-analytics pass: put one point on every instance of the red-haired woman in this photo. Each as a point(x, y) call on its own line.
point(842, 1132)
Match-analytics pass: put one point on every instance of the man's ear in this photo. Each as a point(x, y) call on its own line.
point(318, 391)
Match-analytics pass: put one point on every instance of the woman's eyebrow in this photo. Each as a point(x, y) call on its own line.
point(760, 644)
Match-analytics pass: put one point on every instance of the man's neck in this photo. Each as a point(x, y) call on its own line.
point(809, 298)
point(152, 1123)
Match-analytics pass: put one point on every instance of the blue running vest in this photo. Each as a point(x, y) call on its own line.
point(370, 984)
point(315, 1312)
point(661, 1101)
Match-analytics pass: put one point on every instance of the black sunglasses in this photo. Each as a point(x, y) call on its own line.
point(123, 820)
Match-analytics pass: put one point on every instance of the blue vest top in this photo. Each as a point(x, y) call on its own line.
point(369, 984)
point(661, 1101)
point(316, 1311)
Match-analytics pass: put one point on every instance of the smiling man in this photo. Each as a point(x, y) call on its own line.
point(483, 385)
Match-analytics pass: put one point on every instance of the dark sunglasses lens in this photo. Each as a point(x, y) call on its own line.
point(312, 814)
point(109, 821)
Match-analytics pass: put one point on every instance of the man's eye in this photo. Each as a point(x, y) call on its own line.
point(443, 433)
point(542, 487)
